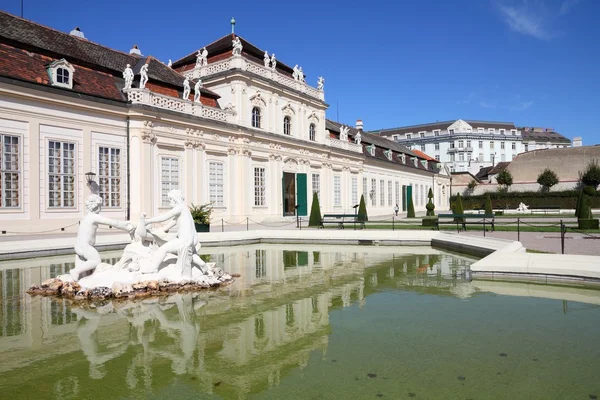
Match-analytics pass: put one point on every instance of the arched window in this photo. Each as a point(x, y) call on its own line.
point(256, 117)
point(312, 132)
point(287, 125)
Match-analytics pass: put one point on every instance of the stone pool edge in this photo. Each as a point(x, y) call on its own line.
point(500, 256)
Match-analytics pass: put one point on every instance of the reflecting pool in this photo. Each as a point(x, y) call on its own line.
point(305, 322)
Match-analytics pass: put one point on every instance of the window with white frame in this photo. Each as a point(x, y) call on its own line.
point(354, 190)
point(437, 157)
point(287, 125)
point(421, 134)
point(452, 156)
point(461, 157)
point(481, 144)
point(256, 117)
point(491, 145)
point(382, 192)
point(169, 178)
point(437, 146)
point(397, 192)
point(451, 131)
point(316, 184)
point(514, 132)
point(408, 135)
point(337, 190)
point(395, 138)
point(502, 131)
point(390, 193)
point(460, 144)
point(491, 130)
point(365, 189)
point(109, 176)
point(260, 186)
point(373, 193)
point(10, 171)
point(502, 145)
point(513, 145)
point(61, 174)
point(480, 130)
point(423, 148)
point(452, 144)
point(312, 132)
point(436, 132)
point(216, 183)
point(61, 74)
point(468, 143)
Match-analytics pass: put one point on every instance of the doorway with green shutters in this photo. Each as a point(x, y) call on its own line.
point(294, 194)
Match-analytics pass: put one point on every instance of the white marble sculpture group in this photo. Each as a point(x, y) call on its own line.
point(202, 58)
point(298, 74)
point(344, 133)
point(270, 62)
point(523, 208)
point(151, 255)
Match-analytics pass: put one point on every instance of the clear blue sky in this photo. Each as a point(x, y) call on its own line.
point(532, 62)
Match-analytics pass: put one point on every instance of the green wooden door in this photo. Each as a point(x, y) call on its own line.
point(301, 195)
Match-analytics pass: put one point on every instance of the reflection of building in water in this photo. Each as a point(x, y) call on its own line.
point(276, 314)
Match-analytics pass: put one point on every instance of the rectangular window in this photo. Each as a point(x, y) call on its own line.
point(337, 190)
point(169, 178)
point(437, 146)
point(451, 145)
point(109, 176)
point(514, 132)
point(10, 173)
point(461, 157)
point(481, 144)
point(395, 138)
point(259, 186)
point(452, 156)
point(382, 192)
point(354, 190)
point(408, 135)
point(502, 145)
point(513, 146)
point(423, 148)
point(61, 174)
point(397, 192)
point(491, 145)
point(373, 192)
point(365, 189)
point(526, 147)
point(436, 133)
point(460, 144)
point(451, 131)
point(316, 185)
point(390, 193)
point(216, 183)
point(491, 130)
point(421, 134)
point(502, 131)
point(480, 130)
point(437, 157)
point(468, 143)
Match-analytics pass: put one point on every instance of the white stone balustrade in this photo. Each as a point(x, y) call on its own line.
point(344, 145)
point(237, 62)
point(144, 96)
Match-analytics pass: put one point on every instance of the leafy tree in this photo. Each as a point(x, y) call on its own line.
point(315, 212)
point(547, 179)
point(430, 206)
point(362, 210)
point(488, 204)
point(411, 208)
point(591, 175)
point(505, 178)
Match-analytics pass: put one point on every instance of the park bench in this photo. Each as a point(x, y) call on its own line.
point(341, 220)
point(464, 220)
point(545, 209)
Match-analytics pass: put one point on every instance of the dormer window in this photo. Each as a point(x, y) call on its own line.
point(408, 136)
point(402, 158)
point(371, 149)
point(388, 154)
point(480, 130)
point(61, 74)
point(491, 131)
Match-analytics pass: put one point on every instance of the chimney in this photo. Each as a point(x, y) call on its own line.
point(577, 141)
point(359, 124)
point(135, 50)
point(77, 33)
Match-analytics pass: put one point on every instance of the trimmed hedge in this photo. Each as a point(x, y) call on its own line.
point(563, 199)
point(428, 221)
point(587, 224)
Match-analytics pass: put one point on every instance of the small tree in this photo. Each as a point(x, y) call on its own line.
point(591, 175)
point(488, 204)
point(315, 212)
point(410, 213)
point(430, 206)
point(362, 210)
point(458, 207)
point(505, 178)
point(547, 179)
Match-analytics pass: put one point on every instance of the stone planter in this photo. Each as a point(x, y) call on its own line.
point(202, 227)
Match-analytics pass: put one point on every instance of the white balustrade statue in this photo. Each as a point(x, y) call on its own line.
point(267, 60)
point(186, 88)
point(197, 88)
point(344, 133)
point(273, 62)
point(320, 83)
point(143, 76)
point(128, 76)
point(237, 46)
point(357, 138)
point(202, 57)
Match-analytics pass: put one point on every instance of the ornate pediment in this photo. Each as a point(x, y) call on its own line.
point(288, 109)
point(460, 126)
point(258, 100)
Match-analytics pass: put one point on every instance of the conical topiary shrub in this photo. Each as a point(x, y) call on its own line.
point(578, 205)
point(584, 210)
point(362, 210)
point(488, 205)
point(315, 211)
point(458, 207)
point(411, 208)
point(430, 206)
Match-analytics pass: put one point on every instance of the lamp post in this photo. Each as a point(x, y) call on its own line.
point(355, 214)
point(297, 217)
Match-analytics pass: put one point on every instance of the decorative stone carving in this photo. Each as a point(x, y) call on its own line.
point(267, 59)
point(320, 83)
point(258, 100)
point(202, 57)
point(357, 138)
point(288, 109)
point(170, 63)
point(149, 137)
point(460, 126)
point(128, 76)
point(522, 208)
point(295, 73)
point(186, 88)
point(230, 107)
point(344, 133)
point(273, 62)
point(197, 88)
point(143, 76)
point(237, 46)
point(301, 75)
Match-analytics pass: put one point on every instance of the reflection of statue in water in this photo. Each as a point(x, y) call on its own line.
point(87, 256)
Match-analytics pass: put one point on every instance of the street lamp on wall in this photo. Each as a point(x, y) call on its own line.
point(355, 214)
point(371, 194)
point(90, 177)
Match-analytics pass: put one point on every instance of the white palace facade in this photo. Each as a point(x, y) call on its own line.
point(226, 124)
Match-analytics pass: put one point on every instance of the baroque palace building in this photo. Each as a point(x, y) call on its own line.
point(227, 124)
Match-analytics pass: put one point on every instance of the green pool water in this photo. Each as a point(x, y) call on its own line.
point(306, 322)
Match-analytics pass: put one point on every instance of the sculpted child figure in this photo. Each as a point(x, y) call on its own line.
point(186, 233)
point(87, 257)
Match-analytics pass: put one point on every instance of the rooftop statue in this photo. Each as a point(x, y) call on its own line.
point(295, 73)
point(202, 57)
point(170, 64)
point(273, 62)
point(320, 83)
point(197, 88)
point(128, 76)
point(237, 46)
point(300, 75)
point(186, 88)
point(143, 76)
point(344, 133)
point(357, 138)
point(267, 59)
